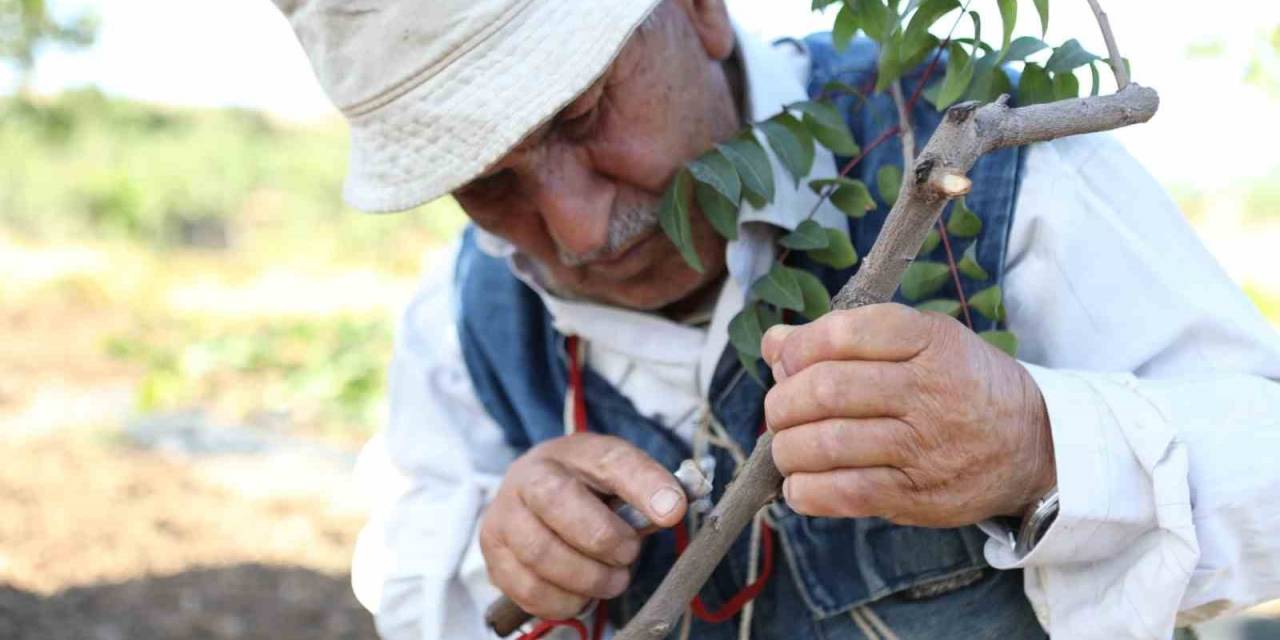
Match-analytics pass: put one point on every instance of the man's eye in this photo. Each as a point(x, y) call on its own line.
point(490, 187)
point(579, 127)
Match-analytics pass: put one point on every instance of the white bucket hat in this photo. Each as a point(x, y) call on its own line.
point(438, 90)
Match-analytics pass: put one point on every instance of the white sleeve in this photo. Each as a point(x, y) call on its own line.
point(1160, 381)
point(417, 565)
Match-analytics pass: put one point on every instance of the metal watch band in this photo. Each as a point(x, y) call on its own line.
point(1035, 523)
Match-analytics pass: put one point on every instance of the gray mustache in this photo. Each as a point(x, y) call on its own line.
point(625, 226)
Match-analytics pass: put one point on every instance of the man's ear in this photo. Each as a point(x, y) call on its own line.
point(711, 20)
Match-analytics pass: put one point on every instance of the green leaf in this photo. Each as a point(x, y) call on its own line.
point(960, 68)
point(964, 223)
point(1069, 57)
point(942, 305)
point(875, 18)
point(912, 58)
point(751, 366)
point(1035, 87)
point(722, 214)
point(989, 83)
point(715, 171)
point(808, 235)
point(673, 215)
point(817, 302)
point(746, 330)
point(839, 253)
point(1097, 78)
point(1009, 16)
point(989, 302)
point(828, 127)
point(1002, 340)
point(1042, 7)
point(853, 199)
point(969, 265)
point(820, 184)
point(1065, 85)
point(753, 165)
point(890, 65)
point(792, 142)
point(926, 14)
point(836, 87)
point(819, 5)
point(889, 183)
point(931, 242)
point(924, 279)
point(845, 28)
point(780, 288)
point(977, 30)
point(1024, 47)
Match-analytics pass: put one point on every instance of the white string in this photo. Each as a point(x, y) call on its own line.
point(879, 623)
point(753, 572)
point(865, 628)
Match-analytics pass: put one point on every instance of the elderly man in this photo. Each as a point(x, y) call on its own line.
point(1115, 482)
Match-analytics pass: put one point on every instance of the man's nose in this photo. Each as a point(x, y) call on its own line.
point(574, 201)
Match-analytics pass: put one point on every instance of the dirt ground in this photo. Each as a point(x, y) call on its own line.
point(101, 542)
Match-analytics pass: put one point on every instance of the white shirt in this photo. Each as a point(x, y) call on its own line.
point(1158, 374)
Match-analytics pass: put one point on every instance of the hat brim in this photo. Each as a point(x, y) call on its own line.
point(446, 131)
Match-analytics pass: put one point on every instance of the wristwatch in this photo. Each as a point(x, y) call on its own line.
point(1035, 523)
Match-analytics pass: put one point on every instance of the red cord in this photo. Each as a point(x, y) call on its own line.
point(727, 611)
point(575, 381)
point(547, 626)
point(733, 605)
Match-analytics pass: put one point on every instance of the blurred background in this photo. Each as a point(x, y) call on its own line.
point(193, 328)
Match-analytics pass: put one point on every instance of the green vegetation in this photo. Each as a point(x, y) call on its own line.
point(86, 165)
point(325, 374)
point(212, 208)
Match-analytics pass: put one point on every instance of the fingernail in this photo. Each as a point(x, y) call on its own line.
point(786, 492)
point(779, 371)
point(664, 501)
point(778, 332)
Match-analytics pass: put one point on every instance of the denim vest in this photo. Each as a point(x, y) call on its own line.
point(925, 583)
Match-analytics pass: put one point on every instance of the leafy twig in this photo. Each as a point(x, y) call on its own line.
point(966, 133)
point(1117, 62)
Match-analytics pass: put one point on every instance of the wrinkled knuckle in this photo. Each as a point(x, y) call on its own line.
point(546, 488)
point(603, 541)
point(526, 592)
point(774, 406)
point(841, 328)
point(488, 536)
point(828, 389)
point(599, 583)
point(830, 442)
point(801, 497)
point(618, 456)
point(784, 451)
point(853, 497)
point(532, 547)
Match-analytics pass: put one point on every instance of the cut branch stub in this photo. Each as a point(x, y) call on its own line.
point(967, 132)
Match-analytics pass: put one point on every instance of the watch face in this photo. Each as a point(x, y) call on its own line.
point(1036, 524)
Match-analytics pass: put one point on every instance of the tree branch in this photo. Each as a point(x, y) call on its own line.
point(905, 130)
point(1113, 51)
point(967, 132)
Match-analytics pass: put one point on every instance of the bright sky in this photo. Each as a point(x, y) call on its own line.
point(241, 52)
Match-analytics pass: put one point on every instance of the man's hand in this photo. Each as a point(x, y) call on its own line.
point(549, 540)
point(890, 412)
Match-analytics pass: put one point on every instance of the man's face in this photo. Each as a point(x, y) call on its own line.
point(579, 197)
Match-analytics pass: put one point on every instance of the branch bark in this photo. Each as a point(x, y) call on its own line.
point(906, 133)
point(967, 132)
